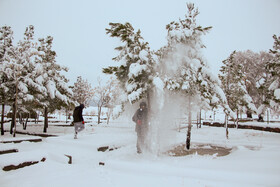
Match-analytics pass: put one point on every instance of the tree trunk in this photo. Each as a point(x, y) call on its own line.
point(108, 119)
point(2, 119)
point(37, 117)
point(109, 112)
point(237, 113)
point(199, 118)
point(15, 115)
point(226, 124)
point(13, 121)
point(66, 115)
point(25, 123)
point(188, 141)
point(249, 114)
point(267, 116)
point(46, 119)
point(99, 115)
point(20, 119)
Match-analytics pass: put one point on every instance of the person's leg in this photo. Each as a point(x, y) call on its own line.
point(138, 145)
point(81, 127)
point(140, 141)
point(76, 130)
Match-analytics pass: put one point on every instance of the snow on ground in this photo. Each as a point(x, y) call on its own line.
point(253, 161)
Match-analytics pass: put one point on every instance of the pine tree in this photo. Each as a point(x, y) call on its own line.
point(31, 76)
point(135, 62)
point(19, 76)
point(184, 68)
point(6, 53)
point(234, 81)
point(255, 77)
point(55, 91)
point(21, 71)
point(273, 66)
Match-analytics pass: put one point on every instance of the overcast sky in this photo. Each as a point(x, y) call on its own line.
point(81, 43)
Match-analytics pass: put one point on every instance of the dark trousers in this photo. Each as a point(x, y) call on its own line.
point(141, 139)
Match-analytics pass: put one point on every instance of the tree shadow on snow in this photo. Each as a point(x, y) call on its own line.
point(200, 149)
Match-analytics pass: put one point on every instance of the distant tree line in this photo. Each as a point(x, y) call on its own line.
point(32, 82)
point(251, 81)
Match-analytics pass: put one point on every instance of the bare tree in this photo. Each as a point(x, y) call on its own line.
point(104, 95)
point(82, 91)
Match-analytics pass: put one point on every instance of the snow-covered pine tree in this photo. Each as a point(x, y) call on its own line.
point(30, 101)
point(234, 81)
point(135, 62)
point(184, 67)
point(82, 91)
point(56, 93)
point(255, 76)
point(6, 53)
point(263, 79)
point(20, 71)
point(273, 66)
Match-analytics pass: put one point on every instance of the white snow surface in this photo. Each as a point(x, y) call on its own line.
point(277, 93)
point(253, 161)
point(135, 69)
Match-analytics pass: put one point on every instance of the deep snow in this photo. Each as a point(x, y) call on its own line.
point(253, 161)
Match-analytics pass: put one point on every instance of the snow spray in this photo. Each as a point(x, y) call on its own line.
point(165, 112)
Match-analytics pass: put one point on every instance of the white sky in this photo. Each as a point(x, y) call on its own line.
point(81, 43)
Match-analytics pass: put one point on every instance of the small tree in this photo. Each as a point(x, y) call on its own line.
point(103, 96)
point(21, 72)
point(114, 99)
point(254, 76)
point(55, 91)
point(273, 66)
point(6, 53)
point(82, 91)
point(233, 81)
point(135, 68)
point(184, 68)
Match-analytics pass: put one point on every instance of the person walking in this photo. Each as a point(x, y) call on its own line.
point(78, 121)
point(141, 119)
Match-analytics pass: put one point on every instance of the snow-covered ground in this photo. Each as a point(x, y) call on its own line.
point(253, 160)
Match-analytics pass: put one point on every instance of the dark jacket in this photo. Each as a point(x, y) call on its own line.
point(141, 119)
point(78, 114)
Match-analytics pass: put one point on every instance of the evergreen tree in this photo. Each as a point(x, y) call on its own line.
point(20, 71)
point(30, 75)
point(184, 68)
point(273, 66)
point(55, 91)
point(6, 53)
point(135, 62)
point(233, 80)
point(255, 76)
